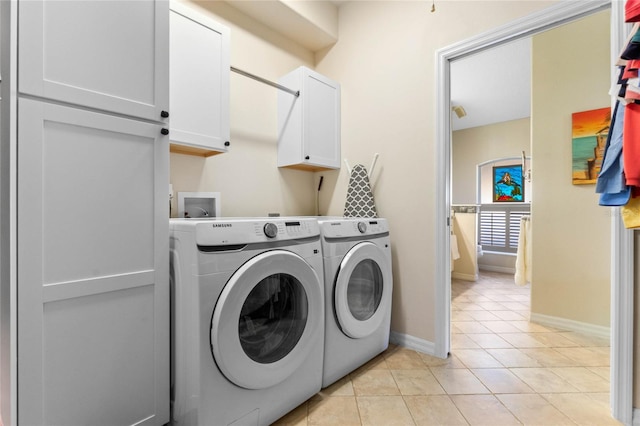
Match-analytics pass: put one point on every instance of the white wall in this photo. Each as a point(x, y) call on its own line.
point(571, 233)
point(384, 60)
point(247, 176)
point(477, 145)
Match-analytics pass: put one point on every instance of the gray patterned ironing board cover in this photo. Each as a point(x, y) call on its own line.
point(360, 201)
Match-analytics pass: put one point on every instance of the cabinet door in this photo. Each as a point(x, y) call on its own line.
point(107, 55)
point(199, 82)
point(321, 120)
point(309, 125)
point(93, 291)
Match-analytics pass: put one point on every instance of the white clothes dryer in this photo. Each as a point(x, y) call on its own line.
point(247, 319)
point(358, 287)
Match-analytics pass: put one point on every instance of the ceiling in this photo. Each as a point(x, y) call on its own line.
point(492, 86)
point(313, 25)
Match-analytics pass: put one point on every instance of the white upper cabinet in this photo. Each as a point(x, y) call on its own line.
point(199, 83)
point(309, 125)
point(92, 54)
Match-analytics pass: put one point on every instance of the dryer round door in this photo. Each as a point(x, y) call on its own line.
point(266, 319)
point(362, 293)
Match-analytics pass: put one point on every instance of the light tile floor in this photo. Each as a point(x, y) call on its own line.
point(502, 370)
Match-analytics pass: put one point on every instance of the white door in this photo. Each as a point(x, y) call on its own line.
point(107, 55)
point(93, 291)
point(362, 294)
point(266, 318)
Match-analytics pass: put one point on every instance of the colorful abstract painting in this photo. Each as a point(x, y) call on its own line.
point(508, 185)
point(589, 139)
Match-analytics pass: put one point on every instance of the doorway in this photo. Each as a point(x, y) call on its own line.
point(621, 239)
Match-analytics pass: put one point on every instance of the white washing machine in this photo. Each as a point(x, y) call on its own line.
point(358, 287)
point(247, 319)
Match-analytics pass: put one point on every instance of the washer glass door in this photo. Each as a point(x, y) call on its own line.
point(267, 316)
point(362, 290)
point(273, 318)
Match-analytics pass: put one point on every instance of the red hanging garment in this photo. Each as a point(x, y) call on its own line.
point(631, 144)
point(632, 11)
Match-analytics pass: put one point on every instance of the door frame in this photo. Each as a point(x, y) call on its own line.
point(622, 249)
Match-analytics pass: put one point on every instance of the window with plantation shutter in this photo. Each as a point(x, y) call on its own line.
point(500, 226)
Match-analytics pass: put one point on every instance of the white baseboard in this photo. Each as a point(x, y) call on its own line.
point(636, 417)
point(411, 342)
point(493, 268)
point(571, 325)
point(464, 277)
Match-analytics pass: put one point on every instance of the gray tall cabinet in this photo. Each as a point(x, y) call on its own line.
point(85, 154)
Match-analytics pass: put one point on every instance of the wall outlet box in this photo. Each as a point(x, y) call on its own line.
point(198, 204)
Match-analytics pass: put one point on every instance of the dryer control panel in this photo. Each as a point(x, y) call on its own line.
point(353, 227)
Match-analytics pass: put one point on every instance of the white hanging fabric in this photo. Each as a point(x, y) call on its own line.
point(523, 255)
point(455, 252)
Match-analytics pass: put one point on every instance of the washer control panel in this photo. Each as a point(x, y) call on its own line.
point(229, 231)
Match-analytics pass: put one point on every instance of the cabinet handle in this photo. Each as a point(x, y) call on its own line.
point(164, 131)
point(306, 157)
point(227, 143)
point(164, 114)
